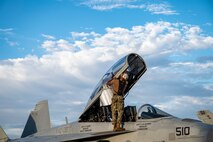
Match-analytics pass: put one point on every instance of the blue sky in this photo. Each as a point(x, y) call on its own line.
point(55, 49)
point(27, 20)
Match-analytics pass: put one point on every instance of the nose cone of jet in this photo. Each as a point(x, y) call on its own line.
point(210, 135)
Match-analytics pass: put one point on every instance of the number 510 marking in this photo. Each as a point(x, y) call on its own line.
point(182, 131)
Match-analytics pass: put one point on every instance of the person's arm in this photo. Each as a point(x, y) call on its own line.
point(110, 82)
point(125, 87)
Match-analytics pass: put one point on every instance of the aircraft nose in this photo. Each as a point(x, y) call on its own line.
point(210, 135)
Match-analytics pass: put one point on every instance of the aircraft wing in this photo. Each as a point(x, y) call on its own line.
point(99, 136)
point(73, 137)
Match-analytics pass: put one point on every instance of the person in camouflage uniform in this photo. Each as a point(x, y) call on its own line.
point(118, 87)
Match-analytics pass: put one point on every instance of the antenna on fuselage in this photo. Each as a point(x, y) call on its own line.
point(66, 120)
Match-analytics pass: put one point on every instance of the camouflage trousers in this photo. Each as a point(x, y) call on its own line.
point(117, 108)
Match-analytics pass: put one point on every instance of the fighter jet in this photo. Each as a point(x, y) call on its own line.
point(148, 124)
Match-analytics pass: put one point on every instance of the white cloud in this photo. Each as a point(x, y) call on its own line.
point(153, 38)
point(6, 35)
point(48, 45)
point(196, 66)
point(104, 5)
point(177, 102)
point(208, 24)
point(84, 35)
point(208, 87)
point(8, 31)
point(55, 45)
point(76, 34)
point(162, 8)
point(48, 36)
point(11, 43)
point(14, 132)
point(187, 105)
point(68, 72)
point(193, 38)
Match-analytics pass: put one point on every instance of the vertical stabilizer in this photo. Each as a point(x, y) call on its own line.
point(205, 116)
point(3, 136)
point(38, 120)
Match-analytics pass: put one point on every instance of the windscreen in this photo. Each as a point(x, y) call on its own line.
point(148, 111)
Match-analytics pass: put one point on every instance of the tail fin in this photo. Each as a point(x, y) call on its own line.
point(3, 136)
point(38, 120)
point(205, 116)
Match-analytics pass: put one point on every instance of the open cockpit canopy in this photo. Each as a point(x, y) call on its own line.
point(133, 64)
point(148, 111)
